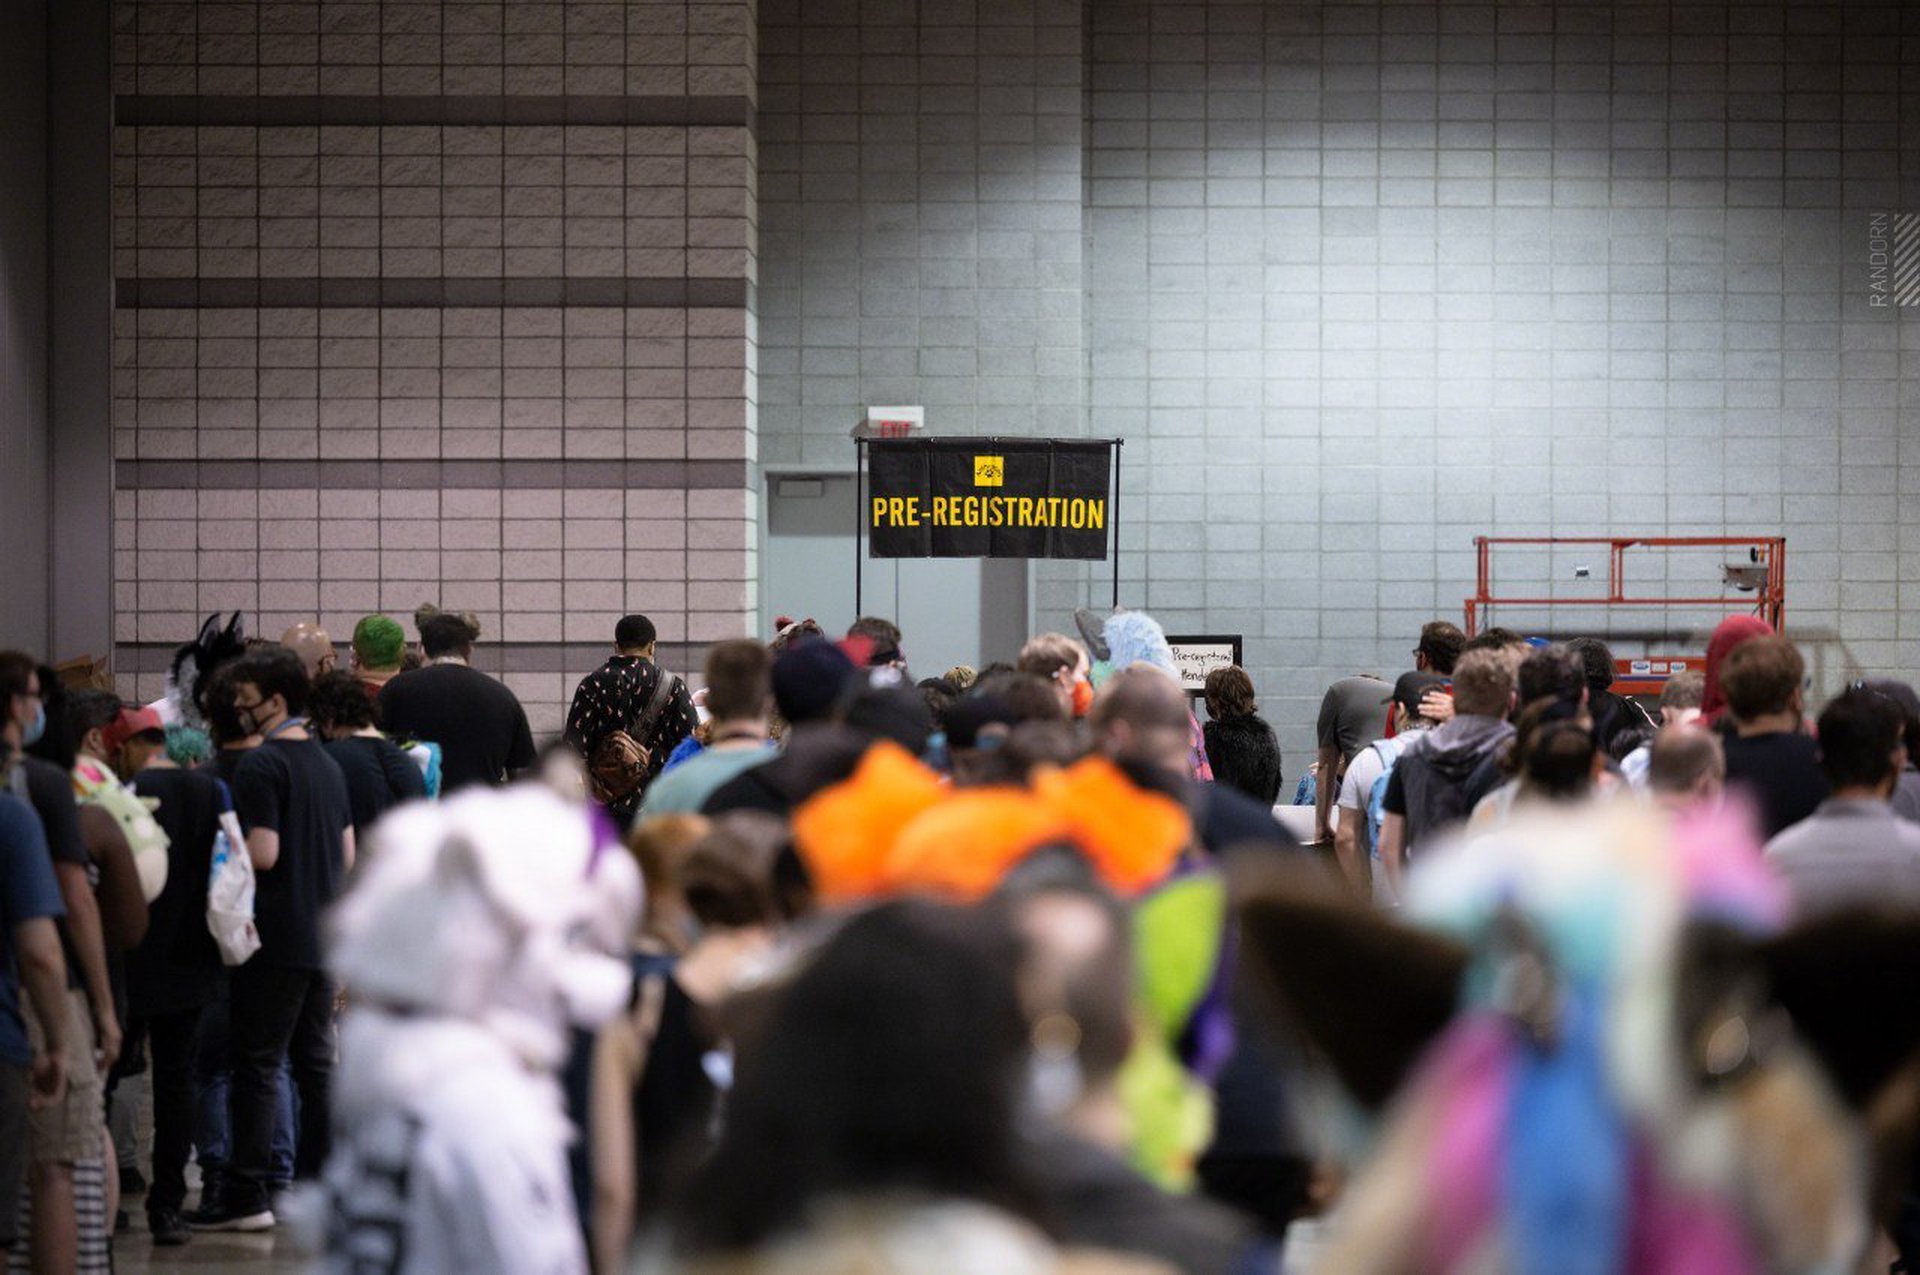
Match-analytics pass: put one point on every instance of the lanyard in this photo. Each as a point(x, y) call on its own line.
point(289, 724)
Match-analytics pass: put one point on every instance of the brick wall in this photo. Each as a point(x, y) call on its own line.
point(436, 302)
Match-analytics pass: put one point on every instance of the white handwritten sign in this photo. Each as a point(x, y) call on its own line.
point(1196, 657)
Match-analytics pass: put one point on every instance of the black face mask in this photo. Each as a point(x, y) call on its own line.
point(250, 717)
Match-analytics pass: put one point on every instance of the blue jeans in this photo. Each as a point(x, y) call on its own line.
point(212, 1127)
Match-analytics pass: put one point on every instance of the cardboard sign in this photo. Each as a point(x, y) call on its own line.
point(1196, 657)
point(988, 498)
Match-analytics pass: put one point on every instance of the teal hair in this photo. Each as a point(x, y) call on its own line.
point(188, 745)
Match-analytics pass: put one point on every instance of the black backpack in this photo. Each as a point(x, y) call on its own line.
point(1435, 800)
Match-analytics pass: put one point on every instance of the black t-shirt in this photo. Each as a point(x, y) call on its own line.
point(480, 727)
point(292, 787)
point(1613, 715)
point(49, 790)
point(1394, 800)
point(225, 763)
point(1780, 773)
point(379, 777)
point(177, 965)
point(674, 1101)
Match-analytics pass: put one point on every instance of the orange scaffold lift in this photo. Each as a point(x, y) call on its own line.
point(1761, 582)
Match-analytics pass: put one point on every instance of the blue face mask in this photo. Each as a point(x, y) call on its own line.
point(35, 728)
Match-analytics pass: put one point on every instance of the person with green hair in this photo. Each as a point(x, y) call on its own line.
point(379, 652)
point(379, 647)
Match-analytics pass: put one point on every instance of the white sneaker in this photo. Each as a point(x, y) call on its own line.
point(248, 1223)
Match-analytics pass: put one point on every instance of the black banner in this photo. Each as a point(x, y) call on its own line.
point(987, 498)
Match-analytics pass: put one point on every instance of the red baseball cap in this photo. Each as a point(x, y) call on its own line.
point(131, 722)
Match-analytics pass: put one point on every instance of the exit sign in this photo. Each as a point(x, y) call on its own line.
point(892, 422)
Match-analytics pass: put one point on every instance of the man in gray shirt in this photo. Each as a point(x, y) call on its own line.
point(1906, 792)
point(1854, 850)
point(1352, 715)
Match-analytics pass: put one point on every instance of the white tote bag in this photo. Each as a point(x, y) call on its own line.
point(230, 891)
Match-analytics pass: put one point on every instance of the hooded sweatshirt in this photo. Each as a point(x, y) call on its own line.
point(1731, 632)
point(1434, 771)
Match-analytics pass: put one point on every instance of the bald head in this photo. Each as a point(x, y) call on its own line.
point(311, 643)
point(1141, 713)
point(1686, 765)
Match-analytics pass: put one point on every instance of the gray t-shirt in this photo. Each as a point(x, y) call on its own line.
point(1906, 795)
point(1354, 714)
point(1849, 853)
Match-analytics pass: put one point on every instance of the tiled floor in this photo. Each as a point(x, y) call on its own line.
point(134, 1254)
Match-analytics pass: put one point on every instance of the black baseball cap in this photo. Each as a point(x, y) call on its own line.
point(1411, 688)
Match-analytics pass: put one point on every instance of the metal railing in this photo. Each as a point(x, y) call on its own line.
point(1766, 569)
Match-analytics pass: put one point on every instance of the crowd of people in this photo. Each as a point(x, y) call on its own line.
point(800, 964)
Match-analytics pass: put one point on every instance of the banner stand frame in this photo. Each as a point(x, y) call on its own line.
point(859, 518)
point(860, 511)
point(1114, 521)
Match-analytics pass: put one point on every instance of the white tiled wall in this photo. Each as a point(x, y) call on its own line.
point(921, 238)
point(1360, 281)
point(1372, 279)
point(921, 227)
